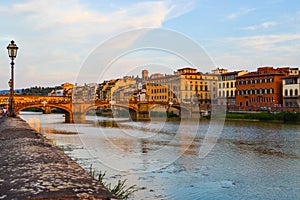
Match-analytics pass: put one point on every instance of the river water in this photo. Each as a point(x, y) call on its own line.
point(249, 160)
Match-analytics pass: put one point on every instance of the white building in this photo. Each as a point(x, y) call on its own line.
point(290, 91)
point(227, 87)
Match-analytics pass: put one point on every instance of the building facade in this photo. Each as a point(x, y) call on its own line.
point(261, 89)
point(186, 86)
point(227, 87)
point(290, 91)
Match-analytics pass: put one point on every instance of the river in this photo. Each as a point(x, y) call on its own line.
point(249, 160)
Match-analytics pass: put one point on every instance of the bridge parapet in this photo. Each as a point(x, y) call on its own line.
point(44, 102)
point(75, 110)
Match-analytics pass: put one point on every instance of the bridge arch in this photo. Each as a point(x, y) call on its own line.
point(68, 111)
point(93, 107)
point(133, 110)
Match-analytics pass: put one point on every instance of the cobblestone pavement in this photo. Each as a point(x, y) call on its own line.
point(31, 167)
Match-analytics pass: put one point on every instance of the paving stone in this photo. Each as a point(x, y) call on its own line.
point(33, 168)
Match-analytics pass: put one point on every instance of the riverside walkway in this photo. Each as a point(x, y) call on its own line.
point(31, 167)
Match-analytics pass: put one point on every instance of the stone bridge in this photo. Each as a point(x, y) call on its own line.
point(46, 103)
point(75, 111)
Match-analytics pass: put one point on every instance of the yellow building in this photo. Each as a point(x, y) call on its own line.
point(227, 87)
point(67, 89)
point(186, 85)
point(117, 89)
point(157, 92)
point(123, 88)
point(104, 90)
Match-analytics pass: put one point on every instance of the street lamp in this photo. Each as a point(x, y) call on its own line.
point(12, 53)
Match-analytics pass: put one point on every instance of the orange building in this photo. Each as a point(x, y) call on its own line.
point(262, 88)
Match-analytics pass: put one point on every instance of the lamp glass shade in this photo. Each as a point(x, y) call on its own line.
point(12, 49)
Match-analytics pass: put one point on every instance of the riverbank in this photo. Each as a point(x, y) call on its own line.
point(285, 117)
point(32, 167)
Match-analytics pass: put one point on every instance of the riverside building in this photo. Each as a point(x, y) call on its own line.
point(290, 91)
point(227, 87)
point(261, 89)
point(186, 86)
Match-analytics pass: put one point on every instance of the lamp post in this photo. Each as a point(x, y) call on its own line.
point(12, 53)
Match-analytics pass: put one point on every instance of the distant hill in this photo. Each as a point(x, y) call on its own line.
point(7, 91)
point(4, 91)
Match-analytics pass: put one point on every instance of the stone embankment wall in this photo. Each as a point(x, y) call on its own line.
point(31, 167)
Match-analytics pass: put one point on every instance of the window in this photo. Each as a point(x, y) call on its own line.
point(219, 93)
point(227, 93)
point(255, 81)
point(223, 94)
point(223, 85)
point(266, 91)
point(291, 92)
point(231, 93)
point(271, 90)
point(260, 91)
point(227, 85)
point(271, 79)
point(296, 92)
point(285, 92)
point(232, 84)
point(220, 85)
point(260, 80)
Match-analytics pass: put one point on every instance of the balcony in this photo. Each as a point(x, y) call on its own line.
point(291, 97)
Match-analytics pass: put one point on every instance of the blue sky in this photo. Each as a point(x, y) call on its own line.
point(56, 37)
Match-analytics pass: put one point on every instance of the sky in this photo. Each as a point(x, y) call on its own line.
point(56, 38)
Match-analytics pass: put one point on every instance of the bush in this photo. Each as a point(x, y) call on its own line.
point(119, 190)
point(282, 116)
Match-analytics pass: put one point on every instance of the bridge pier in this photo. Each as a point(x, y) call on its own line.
point(47, 110)
point(79, 110)
point(142, 114)
point(69, 118)
point(79, 117)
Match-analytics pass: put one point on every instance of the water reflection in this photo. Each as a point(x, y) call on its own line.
point(251, 160)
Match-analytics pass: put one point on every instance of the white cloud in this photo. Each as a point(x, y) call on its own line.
point(240, 13)
point(267, 42)
point(252, 51)
point(41, 28)
point(264, 25)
